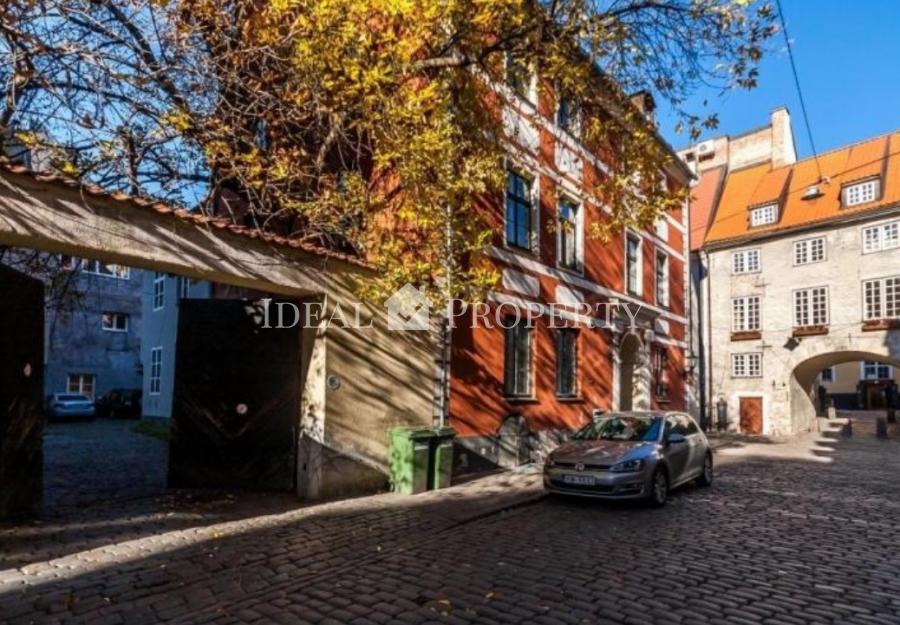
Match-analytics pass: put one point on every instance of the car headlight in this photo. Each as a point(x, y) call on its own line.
point(628, 466)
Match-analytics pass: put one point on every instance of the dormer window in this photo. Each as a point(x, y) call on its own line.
point(763, 215)
point(861, 192)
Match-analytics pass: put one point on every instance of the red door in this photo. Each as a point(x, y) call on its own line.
point(751, 415)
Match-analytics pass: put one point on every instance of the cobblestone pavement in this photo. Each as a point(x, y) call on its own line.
point(90, 461)
point(790, 533)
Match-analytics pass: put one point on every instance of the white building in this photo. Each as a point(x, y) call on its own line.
point(160, 297)
point(799, 271)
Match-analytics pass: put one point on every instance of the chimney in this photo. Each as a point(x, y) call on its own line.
point(783, 150)
point(644, 102)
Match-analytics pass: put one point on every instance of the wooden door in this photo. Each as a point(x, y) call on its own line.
point(751, 415)
point(235, 408)
point(21, 393)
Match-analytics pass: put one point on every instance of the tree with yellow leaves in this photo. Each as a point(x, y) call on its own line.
point(373, 126)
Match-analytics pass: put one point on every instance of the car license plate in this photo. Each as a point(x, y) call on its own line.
point(578, 480)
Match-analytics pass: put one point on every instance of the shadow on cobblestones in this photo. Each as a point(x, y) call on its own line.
point(794, 533)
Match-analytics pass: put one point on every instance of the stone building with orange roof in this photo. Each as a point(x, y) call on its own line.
point(797, 269)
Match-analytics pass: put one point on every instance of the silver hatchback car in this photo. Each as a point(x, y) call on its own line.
point(631, 455)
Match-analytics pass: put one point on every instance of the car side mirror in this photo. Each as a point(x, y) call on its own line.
point(674, 438)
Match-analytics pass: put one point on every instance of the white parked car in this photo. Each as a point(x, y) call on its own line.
point(70, 406)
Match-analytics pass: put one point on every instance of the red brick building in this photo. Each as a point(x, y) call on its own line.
point(513, 389)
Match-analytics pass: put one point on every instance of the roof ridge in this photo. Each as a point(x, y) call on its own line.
point(885, 135)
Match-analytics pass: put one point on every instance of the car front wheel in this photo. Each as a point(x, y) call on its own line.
point(706, 476)
point(659, 488)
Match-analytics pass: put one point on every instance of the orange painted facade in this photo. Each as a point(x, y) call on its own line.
point(478, 405)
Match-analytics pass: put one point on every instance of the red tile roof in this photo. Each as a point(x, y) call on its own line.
point(162, 208)
point(761, 184)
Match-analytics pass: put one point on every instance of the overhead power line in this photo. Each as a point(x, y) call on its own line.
point(790, 50)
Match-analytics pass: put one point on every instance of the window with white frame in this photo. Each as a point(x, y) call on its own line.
point(81, 383)
point(811, 307)
point(633, 262)
point(661, 228)
point(114, 322)
point(159, 290)
point(747, 365)
point(745, 261)
point(110, 270)
point(519, 77)
point(567, 114)
point(763, 215)
point(881, 237)
point(881, 298)
point(809, 251)
point(861, 192)
point(662, 278)
point(184, 287)
point(517, 359)
point(872, 370)
point(745, 314)
point(567, 234)
point(827, 375)
point(518, 210)
point(155, 370)
point(567, 362)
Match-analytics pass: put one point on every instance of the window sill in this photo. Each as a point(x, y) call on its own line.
point(810, 331)
point(570, 399)
point(746, 335)
point(519, 399)
point(663, 400)
point(574, 271)
point(880, 324)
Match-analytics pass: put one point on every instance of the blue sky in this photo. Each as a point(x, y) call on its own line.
point(848, 57)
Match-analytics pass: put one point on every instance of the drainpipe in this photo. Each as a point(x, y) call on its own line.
point(705, 327)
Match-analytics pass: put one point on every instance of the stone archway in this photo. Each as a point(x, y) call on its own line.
point(633, 375)
point(803, 400)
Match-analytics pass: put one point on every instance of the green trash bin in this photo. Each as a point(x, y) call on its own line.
point(410, 449)
point(441, 467)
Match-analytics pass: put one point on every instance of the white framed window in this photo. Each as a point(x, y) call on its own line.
point(881, 298)
point(809, 251)
point(633, 264)
point(747, 365)
point(662, 279)
point(155, 370)
point(519, 211)
point(114, 322)
point(745, 261)
point(184, 287)
point(828, 375)
point(81, 383)
point(861, 192)
point(567, 115)
point(745, 314)
point(881, 237)
point(661, 229)
point(517, 360)
point(872, 370)
point(811, 307)
point(763, 215)
point(568, 235)
point(520, 78)
point(159, 290)
point(109, 270)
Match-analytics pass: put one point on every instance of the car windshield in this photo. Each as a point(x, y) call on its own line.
point(622, 428)
point(71, 398)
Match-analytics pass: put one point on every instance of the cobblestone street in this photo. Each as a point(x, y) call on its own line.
point(790, 533)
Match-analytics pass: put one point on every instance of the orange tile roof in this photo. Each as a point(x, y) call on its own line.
point(761, 184)
point(703, 199)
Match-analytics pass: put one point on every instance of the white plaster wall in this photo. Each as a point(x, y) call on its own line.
point(785, 409)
